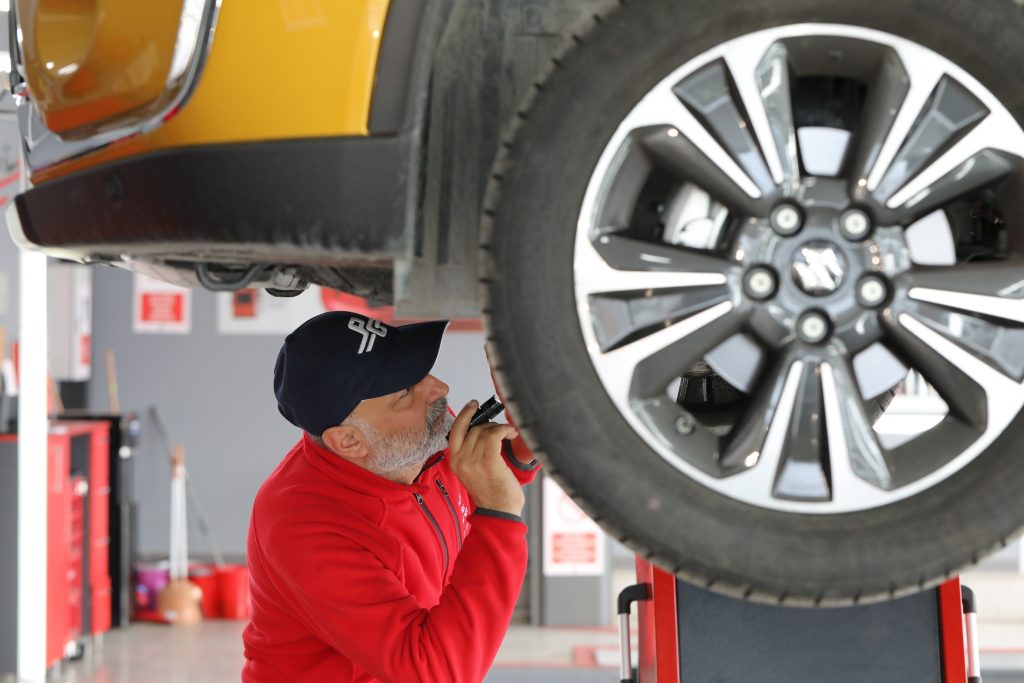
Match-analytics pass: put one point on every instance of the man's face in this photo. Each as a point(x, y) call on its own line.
point(407, 427)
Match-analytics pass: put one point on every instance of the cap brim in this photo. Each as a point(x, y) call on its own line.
point(410, 357)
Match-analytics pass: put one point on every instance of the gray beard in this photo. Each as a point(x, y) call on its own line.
point(391, 453)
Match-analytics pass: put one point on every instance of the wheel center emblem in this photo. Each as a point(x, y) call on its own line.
point(819, 268)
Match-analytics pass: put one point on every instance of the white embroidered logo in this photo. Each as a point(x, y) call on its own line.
point(462, 508)
point(370, 329)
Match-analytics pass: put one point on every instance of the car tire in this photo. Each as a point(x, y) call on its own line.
point(541, 356)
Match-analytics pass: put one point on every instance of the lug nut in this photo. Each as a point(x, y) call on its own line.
point(685, 424)
point(855, 225)
point(786, 220)
point(760, 283)
point(812, 327)
point(872, 291)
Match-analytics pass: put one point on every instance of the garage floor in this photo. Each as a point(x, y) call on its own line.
point(211, 653)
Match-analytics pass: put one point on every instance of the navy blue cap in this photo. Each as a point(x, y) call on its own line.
point(334, 360)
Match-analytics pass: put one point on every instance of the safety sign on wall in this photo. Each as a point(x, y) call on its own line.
point(160, 307)
point(574, 545)
point(253, 311)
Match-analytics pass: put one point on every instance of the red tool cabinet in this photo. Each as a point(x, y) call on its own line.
point(86, 444)
point(77, 539)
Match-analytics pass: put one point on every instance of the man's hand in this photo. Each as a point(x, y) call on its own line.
point(476, 460)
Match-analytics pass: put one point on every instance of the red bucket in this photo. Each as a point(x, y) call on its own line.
point(233, 585)
point(205, 576)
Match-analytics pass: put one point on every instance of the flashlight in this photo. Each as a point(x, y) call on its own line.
point(487, 411)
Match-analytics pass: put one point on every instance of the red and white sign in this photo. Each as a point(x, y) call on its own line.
point(578, 548)
point(574, 545)
point(160, 307)
point(85, 349)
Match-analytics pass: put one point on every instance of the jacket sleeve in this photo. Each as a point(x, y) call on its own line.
point(520, 460)
point(360, 607)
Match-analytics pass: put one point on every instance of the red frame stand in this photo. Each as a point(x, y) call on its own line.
point(662, 629)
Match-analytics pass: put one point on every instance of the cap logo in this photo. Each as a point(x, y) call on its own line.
point(370, 330)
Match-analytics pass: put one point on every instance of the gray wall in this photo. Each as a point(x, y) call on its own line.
point(9, 271)
point(214, 395)
point(9, 253)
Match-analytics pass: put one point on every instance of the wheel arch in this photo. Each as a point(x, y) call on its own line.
point(488, 57)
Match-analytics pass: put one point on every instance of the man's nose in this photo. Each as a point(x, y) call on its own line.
point(435, 388)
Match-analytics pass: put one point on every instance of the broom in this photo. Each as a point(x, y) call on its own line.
point(178, 602)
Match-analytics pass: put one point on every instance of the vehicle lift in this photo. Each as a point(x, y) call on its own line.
point(691, 635)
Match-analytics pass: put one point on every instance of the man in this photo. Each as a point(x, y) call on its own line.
point(375, 552)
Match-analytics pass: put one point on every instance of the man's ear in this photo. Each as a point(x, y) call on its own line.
point(347, 441)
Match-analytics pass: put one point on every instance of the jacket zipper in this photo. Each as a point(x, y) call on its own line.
point(430, 463)
point(437, 529)
point(451, 509)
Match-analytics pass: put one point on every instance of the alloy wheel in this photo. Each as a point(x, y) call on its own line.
point(716, 234)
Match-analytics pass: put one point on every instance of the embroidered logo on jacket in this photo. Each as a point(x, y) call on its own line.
point(465, 513)
point(370, 329)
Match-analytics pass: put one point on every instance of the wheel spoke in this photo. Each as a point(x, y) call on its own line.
point(859, 471)
point(619, 264)
point(918, 89)
point(662, 107)
point(990, 296)
point(804, 469)
point(644, 368)
point(977, 171)
point(708, 93)
point(975, 160)
point(761, 77)
point(931, 451)
point(1001, 347)
point(619, 319)
point(951, 115)
point(686, 161)
point(970, 387)
point(994, 289)
point(954, 145)
point(753, 450)
point(680, 433)
point(889, 111)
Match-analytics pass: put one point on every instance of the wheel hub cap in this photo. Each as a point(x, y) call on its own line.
point(819, 268)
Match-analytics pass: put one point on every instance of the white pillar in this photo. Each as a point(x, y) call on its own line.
point(32, 462)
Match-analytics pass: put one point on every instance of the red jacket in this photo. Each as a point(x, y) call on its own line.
point(358, 578)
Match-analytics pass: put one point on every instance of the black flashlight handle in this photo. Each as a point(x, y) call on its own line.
point(487, 411)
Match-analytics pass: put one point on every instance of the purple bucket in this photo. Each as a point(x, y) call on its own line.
point(150, 579)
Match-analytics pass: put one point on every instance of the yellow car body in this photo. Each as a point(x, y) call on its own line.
point(118, 70)
point(216, 143)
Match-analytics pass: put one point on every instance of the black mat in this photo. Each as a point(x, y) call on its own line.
point(536, 675)
point(1002, 677)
